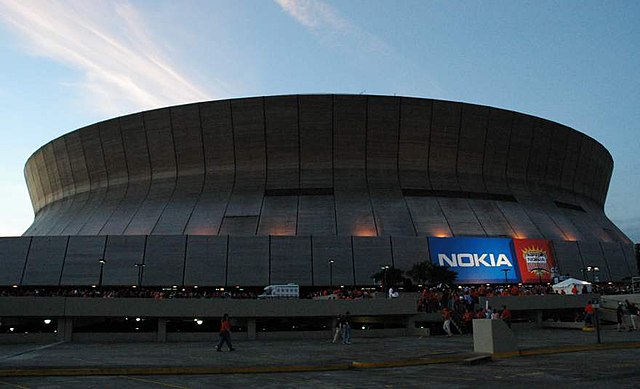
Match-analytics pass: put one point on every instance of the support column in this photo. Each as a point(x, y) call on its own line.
point(411, 329)
point(539, 318)
point(161, 335)
point(65, 329)
point(251, 329)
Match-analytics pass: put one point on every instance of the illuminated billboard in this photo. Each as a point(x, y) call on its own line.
point(495, 260)
point(535, 260)
point(476, 260)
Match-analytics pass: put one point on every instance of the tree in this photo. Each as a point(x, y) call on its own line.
point(429, 273)
point(390, 277)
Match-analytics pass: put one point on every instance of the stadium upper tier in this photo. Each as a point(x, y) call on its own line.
point(324, 165)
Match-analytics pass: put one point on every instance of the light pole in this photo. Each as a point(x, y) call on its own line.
point(505, 275)
point(592, 269)
point(140, 266)
point(331, 274)
point(102, 262)
point(384, 277)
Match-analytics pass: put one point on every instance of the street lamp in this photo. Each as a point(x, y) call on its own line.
point(331, 261)
point(593, 269)
point(140, 266)
point(505, 274)
point(102, 262)
point(384, 277)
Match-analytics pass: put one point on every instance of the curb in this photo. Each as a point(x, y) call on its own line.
point(567, 349)
point(355, 365)
point(168, 370)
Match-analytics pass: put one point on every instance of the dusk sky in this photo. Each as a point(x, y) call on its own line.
point(68, 64)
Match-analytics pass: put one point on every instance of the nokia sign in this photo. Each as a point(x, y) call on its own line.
point(476, 260)
point(471, 260)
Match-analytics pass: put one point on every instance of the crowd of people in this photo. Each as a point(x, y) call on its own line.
point(175, 292)
point(155, 293)
point(340, 294)
point(436, 298)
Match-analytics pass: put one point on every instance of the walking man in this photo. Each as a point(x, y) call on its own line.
point(346, 328)
point(506, 315)
point(633, 313)
point(225, 333)
point(446, 315)
point(620, 317)
point(338, 330)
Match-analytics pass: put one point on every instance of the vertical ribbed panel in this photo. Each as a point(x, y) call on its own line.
point(290, 260)
point(248, 261)
point(389, 208)
point(162, 160)
point(497, 151)
point(369, 255)
point(427, 216)
point(250, 157)
point(189, 154)
point(519, 150)
point(316, 141)
point(13, 256)
point(339, 250)
point(413, 144)
point(219, 165)
point(282, 142)
point(472, 148)
point(206, 262)
point(443, 146)
point(353, 206)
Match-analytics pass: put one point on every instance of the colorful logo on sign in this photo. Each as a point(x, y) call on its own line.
point(476, 260)
point(535, 260)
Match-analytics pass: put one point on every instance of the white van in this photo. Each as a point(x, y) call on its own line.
point(290, 291)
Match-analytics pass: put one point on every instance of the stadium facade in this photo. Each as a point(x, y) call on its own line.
point(266, 190)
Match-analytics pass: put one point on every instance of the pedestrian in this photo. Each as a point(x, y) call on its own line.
point(633, 313)
point(506, 315)
point(620, 316)
point(346, 328)
point(488, 313)
point(467, 318)
point(446, 316)
point(225, 333)
point(338, 329)
point(588, 314)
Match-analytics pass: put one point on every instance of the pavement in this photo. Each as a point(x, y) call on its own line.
point(286, 355)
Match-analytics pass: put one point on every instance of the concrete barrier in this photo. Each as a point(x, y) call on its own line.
point(493, 336)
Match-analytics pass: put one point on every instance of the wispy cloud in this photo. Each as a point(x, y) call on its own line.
point(325, 21)
point(123, 67)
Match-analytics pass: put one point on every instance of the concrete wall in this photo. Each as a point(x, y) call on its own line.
point(53, 307)
point(248, 261)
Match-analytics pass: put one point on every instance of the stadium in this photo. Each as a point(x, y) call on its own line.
point(316, 190)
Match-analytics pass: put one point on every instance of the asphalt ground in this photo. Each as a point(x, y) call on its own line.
point(559, 357)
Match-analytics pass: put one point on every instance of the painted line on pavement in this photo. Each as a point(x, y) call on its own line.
point(156, 382)
point(13, 385)
point(31, 350)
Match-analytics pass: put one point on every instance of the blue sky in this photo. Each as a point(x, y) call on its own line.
point(67, 64)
